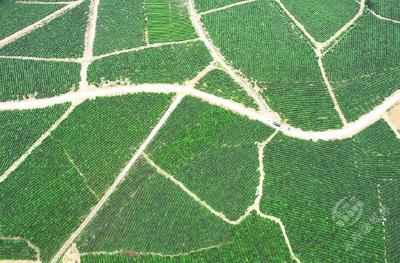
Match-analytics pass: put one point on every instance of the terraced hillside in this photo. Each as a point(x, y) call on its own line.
point(199, 131)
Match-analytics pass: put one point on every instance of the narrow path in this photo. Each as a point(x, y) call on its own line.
point(118, 252)
point(135, 49)
point(43, 3)
point(348, 131)
point(383, 17)
point(218, 57)
point(71, 60)
point(190, 193)
point(120, 178)
point(283, 229)
point(225, 7)
point(39, 23)
point(330, 90)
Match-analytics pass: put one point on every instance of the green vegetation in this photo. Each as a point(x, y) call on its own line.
point(168, 20)
point(14, 17)
point(254, 240)
point(204, 5)
point(20, 129)
point(302, 191)
point(120, 25)
point(15, 249)
point(63, 37)
point(218, 83)
point(148, 213)
point(101, 137)
point(387, 8)
point(213, 152)
point(169, 64)
point(48, 198)
point(22, 78)
point(322, 18)
point(360, 68)
point(278, 59)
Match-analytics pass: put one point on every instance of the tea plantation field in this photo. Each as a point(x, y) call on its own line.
point(199, 131)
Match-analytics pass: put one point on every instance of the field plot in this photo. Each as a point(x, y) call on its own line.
point(220, 84)
point(14, 17)
point(167, 64)
point(20, 129)
point(168, 20)
point(21, 79)
point(363, 67)
point(278, 59)
point(310, 184)
point(322, 18)
point(119, 28)
point(213, 152)
point(386, 8)
point(148, 213)
point(63, 37)
point(255, 240)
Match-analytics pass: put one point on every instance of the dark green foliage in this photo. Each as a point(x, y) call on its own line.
point(387, 8)
point(213, 152)
point(22, 78)
point(20, 129)
point(168, 64)
point(15, 249)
